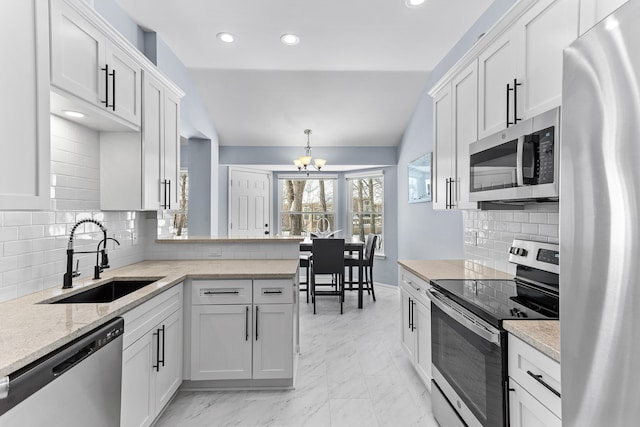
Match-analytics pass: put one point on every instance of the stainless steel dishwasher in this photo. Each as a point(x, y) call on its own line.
point(76, 385)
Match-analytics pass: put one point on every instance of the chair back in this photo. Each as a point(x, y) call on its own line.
point(328, 256)
point(370, 247)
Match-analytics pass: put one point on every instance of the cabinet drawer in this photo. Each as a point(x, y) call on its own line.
point(531, 368)
point(221, 292)
point(143, 318)
point(273, 291)
point(418, 288)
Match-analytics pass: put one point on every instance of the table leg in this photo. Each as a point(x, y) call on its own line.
point(360, 274)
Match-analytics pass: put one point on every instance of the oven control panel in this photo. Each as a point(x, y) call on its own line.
point(544, 256)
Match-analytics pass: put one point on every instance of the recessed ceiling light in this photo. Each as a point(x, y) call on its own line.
point(74, 114)
point(414, 3)
point(290, 39)
point(226, 37)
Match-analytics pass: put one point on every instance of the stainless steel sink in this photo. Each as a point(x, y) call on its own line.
point(107, 292)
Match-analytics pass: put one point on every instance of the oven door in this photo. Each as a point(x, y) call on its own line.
point(469, 363)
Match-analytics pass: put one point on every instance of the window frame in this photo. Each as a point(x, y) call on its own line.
point(379, 173)
point(311, 176)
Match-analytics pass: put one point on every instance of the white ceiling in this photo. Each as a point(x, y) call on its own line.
point(354, 78)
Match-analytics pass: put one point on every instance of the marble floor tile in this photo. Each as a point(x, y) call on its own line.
point(351, 372)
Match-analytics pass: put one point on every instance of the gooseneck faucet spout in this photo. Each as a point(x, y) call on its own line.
point(101, 265)
point(70, 274)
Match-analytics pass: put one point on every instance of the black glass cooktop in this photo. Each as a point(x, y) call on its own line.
point(498, 300)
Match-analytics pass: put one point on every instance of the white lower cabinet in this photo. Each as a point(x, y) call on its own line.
point(221, 342)
point(241, 330)
point(416, 324)
point(152, 357)
point(534, 387)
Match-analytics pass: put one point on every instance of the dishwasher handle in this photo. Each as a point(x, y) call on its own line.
point(70, 362)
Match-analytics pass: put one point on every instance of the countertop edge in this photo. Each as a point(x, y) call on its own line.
point(543, 335)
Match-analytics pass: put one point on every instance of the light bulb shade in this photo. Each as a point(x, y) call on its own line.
point(319, 163)
point(305, 160)
point(298, 163)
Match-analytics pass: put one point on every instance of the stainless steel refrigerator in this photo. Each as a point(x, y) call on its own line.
point(600, 224)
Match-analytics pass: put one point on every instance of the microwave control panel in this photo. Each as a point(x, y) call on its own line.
point(545, 155)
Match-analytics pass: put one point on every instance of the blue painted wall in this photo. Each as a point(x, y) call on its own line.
point(424, 233)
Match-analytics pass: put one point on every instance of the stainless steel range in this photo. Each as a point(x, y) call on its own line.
point(469, 345)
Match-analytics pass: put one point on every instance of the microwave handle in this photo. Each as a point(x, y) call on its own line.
point(519, 161)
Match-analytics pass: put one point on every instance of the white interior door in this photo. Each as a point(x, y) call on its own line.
point(249, 203)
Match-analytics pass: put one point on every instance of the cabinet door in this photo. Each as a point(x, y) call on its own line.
point(548, 28)
point(138, 408)
point(24, 106)
point(422, 314)
point(171, 153)
point(125, 84)
point(465, 116)
point(496, 69)
point(77, 54)
point(273, 341)
point(526, 411)
point(406, 333)
point(221, 340)
point(152, 132)
point(169, 375)
point(443, 148)
point(593, 11)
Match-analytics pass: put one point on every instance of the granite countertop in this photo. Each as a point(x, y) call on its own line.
point(543, 335)
point(214, 239)
point(29, 330)
point(452, 269)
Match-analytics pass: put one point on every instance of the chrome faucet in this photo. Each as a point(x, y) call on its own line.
point(100, 266)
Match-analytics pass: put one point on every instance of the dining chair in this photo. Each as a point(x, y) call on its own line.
point(352, 261)
point(305, 262)
point(327, 258)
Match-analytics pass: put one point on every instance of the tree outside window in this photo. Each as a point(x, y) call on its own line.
point(366, 207)
point(307, 205)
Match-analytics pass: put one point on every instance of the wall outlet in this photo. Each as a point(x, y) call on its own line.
point(214, 252)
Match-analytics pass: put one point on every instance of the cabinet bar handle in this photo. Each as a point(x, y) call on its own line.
point(157, 365)
point(246, 324)
point(169, 181)
point(256, 323)
point(221, 292)
point(106, 85)
point(508, 90)
point(113, 91)
point(410, 314)
point(515, 101)
point(271, 292)
point(164, 190)
point(541, 381)
point(163, 341)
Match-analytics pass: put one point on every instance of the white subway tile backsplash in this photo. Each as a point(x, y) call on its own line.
point(17, 218)
point(31, 232)
point(18, 247)
point(8, 234)
point(43, 218)
point(496, 234)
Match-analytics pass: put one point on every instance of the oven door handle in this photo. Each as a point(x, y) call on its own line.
point(519, 161)
point(481, 331)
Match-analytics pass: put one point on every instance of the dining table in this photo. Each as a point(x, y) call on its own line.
point(350, 245)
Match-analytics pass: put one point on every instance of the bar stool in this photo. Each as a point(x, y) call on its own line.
point(351, 261)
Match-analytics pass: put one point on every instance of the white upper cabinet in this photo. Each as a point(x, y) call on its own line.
point(24, 106)
point(546, 30)
point(497, 72)
point(465, 131)
point(520, 72)
point(87, 64)
point(455, 127)
point(593, 11)
point(443, 148)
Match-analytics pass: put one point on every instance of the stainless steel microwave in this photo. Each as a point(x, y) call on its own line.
point(519, 163)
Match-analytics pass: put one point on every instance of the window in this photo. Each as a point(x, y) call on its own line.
point(366, 206)
point(307, 205)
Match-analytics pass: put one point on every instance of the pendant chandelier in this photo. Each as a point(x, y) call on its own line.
point(303, 162)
